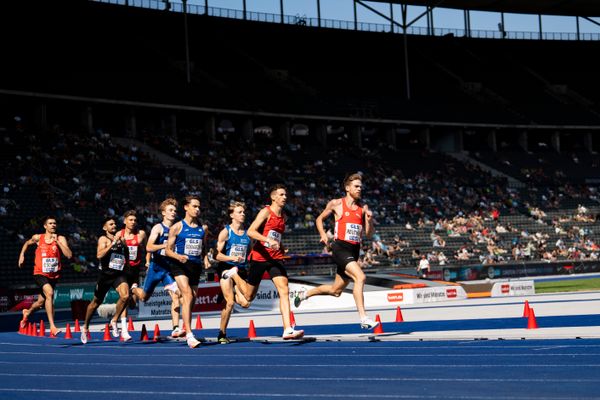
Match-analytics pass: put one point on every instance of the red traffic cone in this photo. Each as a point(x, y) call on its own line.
point(107, 334)
point(292, 319)
point(379, 328)
point(251, 330)
point(68, 334)
point(526, 309)
point(144, 335)
point(156, 333)
point(531, 322)
point(42, 331)
point(399, 315)
point(130, 327)
point(198, 322)
point(31, 329)
point(77, 328)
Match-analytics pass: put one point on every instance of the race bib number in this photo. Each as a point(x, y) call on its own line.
point(353, 232)
point(162, 252)
point(133, 250)
point(276, 236)
point(117, 262)
point(238, 250)
point(193, 247)
point(49, 264)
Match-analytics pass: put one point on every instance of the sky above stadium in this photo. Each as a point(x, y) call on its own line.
point(443, 18)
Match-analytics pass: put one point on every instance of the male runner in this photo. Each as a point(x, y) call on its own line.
point(351, 216)
point(185, 246)
point(158, 269)
point(135, 239)
point(267, 256)
point(232, 246)
point(46, 269)
point(113, 254)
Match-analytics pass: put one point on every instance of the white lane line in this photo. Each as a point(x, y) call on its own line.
point(286, 364)
point(287, 378)
point(302, 395)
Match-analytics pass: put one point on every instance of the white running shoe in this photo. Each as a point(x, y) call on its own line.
point(368, 323)
point(113, 329)
point(134, 286)
point(192, 342)
point(178, 332)
point(125, 335)
point(84, 336)
point(172, 287)
point(300, 297)
point(291, 333)
point(230, 272)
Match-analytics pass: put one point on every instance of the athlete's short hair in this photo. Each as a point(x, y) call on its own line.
point(106, 219)
point(167, 202)
point(188, 199)
point(46, 218)
point(352, 177)
point(233, 205)
point(129, 213)
point(276, 187)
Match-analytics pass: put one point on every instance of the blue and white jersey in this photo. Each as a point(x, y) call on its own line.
point(160, 257)
point(237, 246)
point(189, 242)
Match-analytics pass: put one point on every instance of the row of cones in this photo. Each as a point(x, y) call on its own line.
point(31, 328)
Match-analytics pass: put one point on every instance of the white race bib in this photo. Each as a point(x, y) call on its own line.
point(117, 261)
point(133, 252)
point(238, 250)
point(276, 236)
point(49, 264)
point(193, 247)
point(353, 232)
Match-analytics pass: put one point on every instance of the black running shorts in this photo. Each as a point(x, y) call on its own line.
point(343, 254)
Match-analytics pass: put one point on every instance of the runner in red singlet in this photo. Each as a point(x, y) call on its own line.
point(351, 218)
point(135, 240)
point(267, 256)
point(46, 270)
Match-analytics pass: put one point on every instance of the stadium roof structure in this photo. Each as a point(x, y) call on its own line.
point(575, 8)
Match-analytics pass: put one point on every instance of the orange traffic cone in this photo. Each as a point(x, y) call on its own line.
point(292, 319)
point(31, 329)
point(130, 327)
point(531, 322)
point(379, 328)
point(77, 328)
point(526, 309)
point(399, 315)
point(68, 334)
point(156, 333)
point(42, 331)
point(251, 330)
point(107, 334)
point(144, 334)
point(198, 322)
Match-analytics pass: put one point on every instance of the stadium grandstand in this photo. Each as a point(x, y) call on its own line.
point(479, 153)
point(489, 161)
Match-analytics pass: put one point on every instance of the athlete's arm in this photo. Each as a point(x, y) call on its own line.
point(64, 246)
point(170, 249)
point(151, 245)
point(253, 233)
point(104, 245)
point(221, 239)
point(34, 239)
point(368, 221)
point(329, 209)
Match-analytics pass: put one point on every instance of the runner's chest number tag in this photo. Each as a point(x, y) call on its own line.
point(117, 262)
point(193, 247)
point(133, 250)
point(353, 232)
point(276, 236)
point(238, 250)
point(49, 264)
